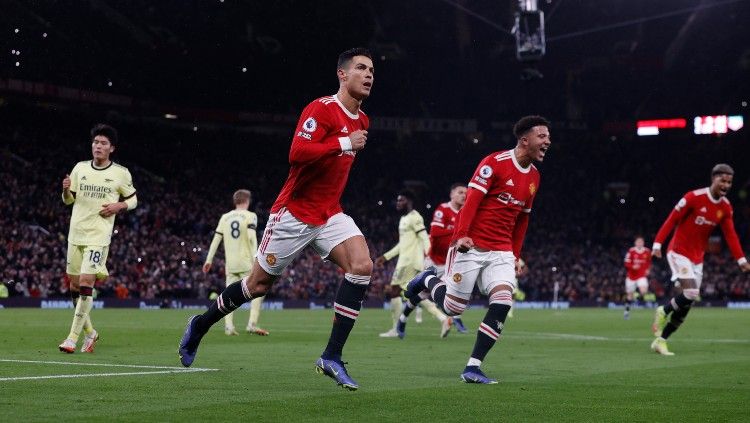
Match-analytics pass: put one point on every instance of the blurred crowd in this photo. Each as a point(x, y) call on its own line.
point(596, 195)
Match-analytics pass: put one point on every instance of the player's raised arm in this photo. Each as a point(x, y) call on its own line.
point(308, 144)
point(680, 210)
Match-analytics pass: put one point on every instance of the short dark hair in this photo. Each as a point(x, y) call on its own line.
point(346, 57)
point(525, 124)
point(722, 169)
point(408, 194)
point(457, 184)
point(106, 130)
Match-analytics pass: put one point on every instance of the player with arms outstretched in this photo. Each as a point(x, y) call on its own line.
point(412, 247)
point(637, 265)
point(98, 189)
point(487, 242)
point(693, 219)
point(330, 133)
point(236, 230)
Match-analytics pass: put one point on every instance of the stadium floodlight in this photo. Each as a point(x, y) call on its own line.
point(529, 31)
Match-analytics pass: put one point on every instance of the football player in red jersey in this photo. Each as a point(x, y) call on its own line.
point(486, 244)
point(330, 132)
point(637, 264)
point(693, 219)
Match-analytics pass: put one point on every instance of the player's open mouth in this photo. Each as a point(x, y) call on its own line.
point(367, 84)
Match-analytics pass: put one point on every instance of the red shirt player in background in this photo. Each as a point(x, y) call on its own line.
point(637, 263)
point(488, 237)
point(693, 219)
point(329, 134)
point(441, 231)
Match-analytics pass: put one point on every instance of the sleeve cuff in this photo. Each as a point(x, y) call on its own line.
point(742, 261)
point(345, 143)
point(656, 246)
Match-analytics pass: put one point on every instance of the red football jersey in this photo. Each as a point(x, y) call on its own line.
point(320, 159)
point(499, 192)
point(637, 261)
point(441, 229)
point(696, 215)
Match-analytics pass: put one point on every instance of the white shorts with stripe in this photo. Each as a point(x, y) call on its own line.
point(683, 268)
point(285, 237)
point(483, 268)
point(630, 284)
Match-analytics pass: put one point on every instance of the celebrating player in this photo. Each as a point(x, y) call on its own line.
point(413, 244)
point(98, 190)
point(487, 241)
point(637, 263)
point(237, 231)
point(693, 219)
point(330, 132)
point(441, 230)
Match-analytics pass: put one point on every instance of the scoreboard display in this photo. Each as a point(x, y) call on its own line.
point(702, 125)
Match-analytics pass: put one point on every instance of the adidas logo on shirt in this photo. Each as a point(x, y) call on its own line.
point(345, 130)
point(510, 183)
point(703, 210)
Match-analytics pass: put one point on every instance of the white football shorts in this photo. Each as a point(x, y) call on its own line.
point(285, 237)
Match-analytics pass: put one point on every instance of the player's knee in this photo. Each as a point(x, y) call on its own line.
point(504, 297)
point(362, 267)
point(357, 279)
point(258, 287)
point(86, 280)
point(691, 293)
point(452, 307)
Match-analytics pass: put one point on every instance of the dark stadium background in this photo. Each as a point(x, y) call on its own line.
point(236, 74)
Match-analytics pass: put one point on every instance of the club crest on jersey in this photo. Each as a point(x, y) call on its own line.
point(532, 188)
point(485, 171)
point(310, 125)
point(457, 277)
point(271, 259)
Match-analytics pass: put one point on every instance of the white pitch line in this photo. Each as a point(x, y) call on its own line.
point(104, 374)
point(132, 366)
point(165, 370)
point(572, 336)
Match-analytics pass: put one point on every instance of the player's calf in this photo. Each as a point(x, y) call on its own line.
point(346, 308)
point(490, 328)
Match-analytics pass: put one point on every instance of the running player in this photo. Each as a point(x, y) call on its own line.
point(487, 241)
point(330, 133)
point(637, 264)
point(98, 189)
point(693, 219)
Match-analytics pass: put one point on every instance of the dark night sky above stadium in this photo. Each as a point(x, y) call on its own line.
point(434, 58)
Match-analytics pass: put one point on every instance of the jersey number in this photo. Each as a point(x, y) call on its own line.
point(95, 256)
point(235, 225)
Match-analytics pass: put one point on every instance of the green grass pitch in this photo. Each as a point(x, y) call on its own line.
point(569, 365)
